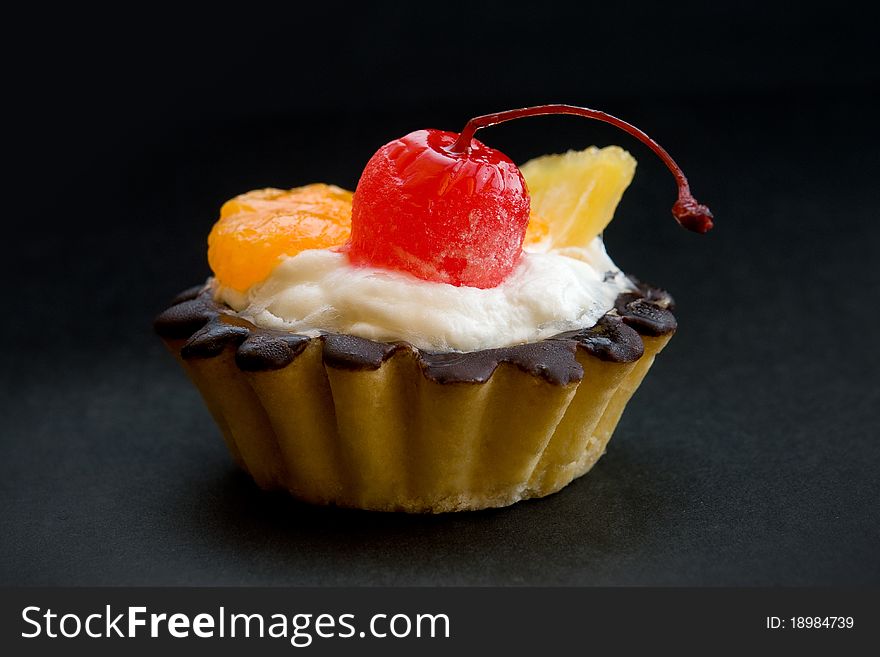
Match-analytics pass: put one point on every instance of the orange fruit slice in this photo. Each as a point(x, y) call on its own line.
point(537, 233)
point(256, 230)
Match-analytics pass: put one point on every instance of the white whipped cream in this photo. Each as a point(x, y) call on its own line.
point(548, 293)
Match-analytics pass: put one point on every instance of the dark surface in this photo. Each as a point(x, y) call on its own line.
point(750, 456)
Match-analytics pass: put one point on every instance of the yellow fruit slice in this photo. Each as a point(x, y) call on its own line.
point(574, 194)
point(257, 229)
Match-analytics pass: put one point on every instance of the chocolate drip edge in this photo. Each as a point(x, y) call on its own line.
point(208, 328)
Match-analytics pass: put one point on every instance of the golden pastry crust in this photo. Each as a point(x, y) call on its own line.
point(391, 438)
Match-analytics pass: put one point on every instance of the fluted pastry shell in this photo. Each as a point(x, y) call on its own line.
point(391, 438)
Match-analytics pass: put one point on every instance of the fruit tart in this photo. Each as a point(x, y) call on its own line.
point(450, 336)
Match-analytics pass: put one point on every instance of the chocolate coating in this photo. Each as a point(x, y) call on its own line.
point(269, 350)
point(209, 328)
point(349, 352)
point(552, 360)
point(645, 316)
point(213, 337)
point(609, 339)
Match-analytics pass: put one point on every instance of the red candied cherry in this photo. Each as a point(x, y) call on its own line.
point(447, 208)
point(455, 217)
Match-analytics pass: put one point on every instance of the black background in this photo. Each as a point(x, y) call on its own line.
point(749, 456)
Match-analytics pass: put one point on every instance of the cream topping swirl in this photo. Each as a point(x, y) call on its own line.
point(548, 293)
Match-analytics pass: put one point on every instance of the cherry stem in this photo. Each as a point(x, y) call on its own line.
point(686, 210)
